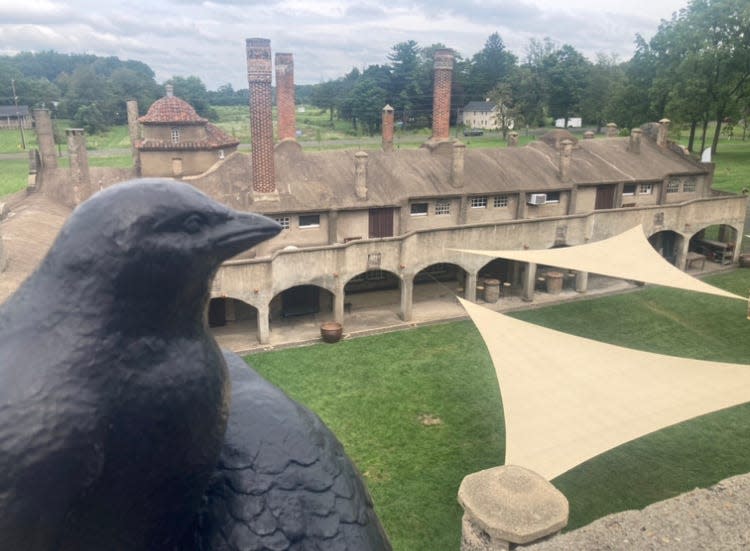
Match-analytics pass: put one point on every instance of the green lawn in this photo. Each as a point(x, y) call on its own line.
point(372, 392)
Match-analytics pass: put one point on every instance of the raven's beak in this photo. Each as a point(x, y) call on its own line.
point(243, 231)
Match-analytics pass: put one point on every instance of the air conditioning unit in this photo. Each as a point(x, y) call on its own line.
point(537, 198)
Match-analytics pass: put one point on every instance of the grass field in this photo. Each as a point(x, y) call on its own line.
point(374, 393)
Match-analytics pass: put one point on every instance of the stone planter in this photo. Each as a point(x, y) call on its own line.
point(492, 290)
point(331, 331)
point(554, 282)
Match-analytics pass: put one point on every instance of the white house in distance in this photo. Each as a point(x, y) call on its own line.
point(483, 115)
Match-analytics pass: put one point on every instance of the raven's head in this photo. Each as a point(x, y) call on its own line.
point(151, 244)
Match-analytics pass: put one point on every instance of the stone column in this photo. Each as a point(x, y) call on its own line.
point(572, 202)
point(79, 164)
point(470, 287)
point(264, 327)
point(521, 206)
point(134, 131)
point(339, 297)
point(619, 189)
point(582, 282)
point(261, 123)
point(333, 223)
point(45, 137)
point(529, 279)
point(407, 296)
point(285, 105)
point(508, 506)
point(441, 96)
point(681, 256)
point(388, 127)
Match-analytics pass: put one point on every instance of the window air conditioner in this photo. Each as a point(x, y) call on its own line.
point(537, 198)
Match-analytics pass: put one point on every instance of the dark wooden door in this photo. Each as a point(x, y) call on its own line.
point(381, 222)
point(605, 197)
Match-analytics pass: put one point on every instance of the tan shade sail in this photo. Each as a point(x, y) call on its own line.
point(567, 399)
point(628, 255)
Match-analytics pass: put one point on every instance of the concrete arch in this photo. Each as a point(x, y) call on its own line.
point(300, 300)
point(669, 244)
point(717, 242)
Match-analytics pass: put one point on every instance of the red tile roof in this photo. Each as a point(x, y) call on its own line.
point(170, 110)
point(215, 139)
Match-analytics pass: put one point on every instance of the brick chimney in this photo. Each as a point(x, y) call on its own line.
point(79, 165)
point(360, 174)
point(612, 130)
point(170, 90)
point(441, 96)
point(387, 128)
point(261, 123)
point(661, 136)
point(285, 96)
point(634, 146)
point(45, 137)
point(457, 164)
point(566, 151)
point(134, 131)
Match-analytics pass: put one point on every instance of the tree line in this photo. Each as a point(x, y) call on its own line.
point(695, 70)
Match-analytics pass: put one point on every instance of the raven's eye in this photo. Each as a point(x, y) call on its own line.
point(193, 223)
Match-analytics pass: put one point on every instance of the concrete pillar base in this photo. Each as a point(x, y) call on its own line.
point(509, 505)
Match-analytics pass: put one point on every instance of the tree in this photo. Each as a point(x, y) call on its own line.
point(506, 113)
point(193, 91)
point(605, 77)
point(566, 73)
point(489, 67)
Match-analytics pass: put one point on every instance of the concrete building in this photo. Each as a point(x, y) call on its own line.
point(177, 142)
point(357, 222)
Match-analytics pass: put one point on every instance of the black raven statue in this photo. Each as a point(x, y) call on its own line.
point(115, 400)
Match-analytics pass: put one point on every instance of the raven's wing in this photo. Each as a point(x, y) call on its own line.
point(283, 479)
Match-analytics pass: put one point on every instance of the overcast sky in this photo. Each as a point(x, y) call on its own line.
point(327, 37)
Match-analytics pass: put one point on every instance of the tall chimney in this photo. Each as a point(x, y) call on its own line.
point(661, 136)
point(261, 123)
point(79, 165)
point(360, 174)
point(457, 164)
point(635, 141)
point(45, 137)
point(285, 96)
point(387, 128)
point(441, 96)
point(134, 131)
point(566, 152)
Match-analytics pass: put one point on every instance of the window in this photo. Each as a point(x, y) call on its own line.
point(553, 197)
point(419, 209)
point(442, 207)
point(175, 135)
point(673, 185)
point(309, 220)
point(478, 202)
point(689, 184)
point(628, 189)
point(645, 189)
point(500, 201)
point(283, 221)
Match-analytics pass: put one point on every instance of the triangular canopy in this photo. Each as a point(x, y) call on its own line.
point(628, 255)
point(567, 399)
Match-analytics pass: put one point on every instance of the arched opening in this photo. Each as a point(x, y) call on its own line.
point(715, 243)
point(372, 289)
point(301, 301)
point(233, 322)
point(667, 243)
point(441, 281)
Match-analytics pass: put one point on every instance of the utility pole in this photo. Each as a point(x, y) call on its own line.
point(18, 113)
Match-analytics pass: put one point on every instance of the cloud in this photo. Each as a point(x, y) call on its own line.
point(327, 37)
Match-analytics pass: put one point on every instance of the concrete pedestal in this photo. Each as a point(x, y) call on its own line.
point(508, 505)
